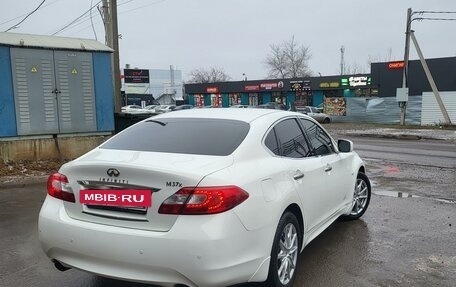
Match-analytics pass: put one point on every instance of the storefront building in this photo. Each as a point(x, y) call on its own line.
point(301, 91)
point(361, 97)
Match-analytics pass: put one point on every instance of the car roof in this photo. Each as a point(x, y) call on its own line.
point(246, 115)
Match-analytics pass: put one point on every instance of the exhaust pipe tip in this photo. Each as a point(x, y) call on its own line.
point(60, 266)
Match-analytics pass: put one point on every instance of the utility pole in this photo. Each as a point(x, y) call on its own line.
point(115, 46)
point(109, 9)
point(403, 104)
point(431, 80)
point(107, 22)
point(342, 64)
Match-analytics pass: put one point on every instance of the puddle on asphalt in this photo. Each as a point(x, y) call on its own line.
point(408, 195)
point(394, 194)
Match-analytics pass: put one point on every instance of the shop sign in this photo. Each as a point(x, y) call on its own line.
point(329, 85)
point(396, 65)
point(356, 81)
point(134, 76)
point(212, 90)
point(252, 88)
point(270, 86)
point(296, 85)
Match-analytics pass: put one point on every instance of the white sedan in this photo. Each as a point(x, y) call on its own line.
point(132, 109)
point(203, 197)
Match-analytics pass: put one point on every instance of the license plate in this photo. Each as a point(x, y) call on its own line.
point(116, 197)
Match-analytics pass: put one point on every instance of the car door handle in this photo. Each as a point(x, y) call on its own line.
point(298, 175)
point(328, 168)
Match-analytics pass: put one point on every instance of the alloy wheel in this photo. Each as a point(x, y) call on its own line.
point(287, 254)
point(360, 197)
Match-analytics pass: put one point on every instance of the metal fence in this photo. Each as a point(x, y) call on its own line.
point(380, 110)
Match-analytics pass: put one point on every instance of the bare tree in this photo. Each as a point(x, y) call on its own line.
point(288, 60)
point(277, 62)
point(378, 58)
point(354, 68)
point(212, 75)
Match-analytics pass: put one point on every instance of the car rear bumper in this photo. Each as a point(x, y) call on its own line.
point(198, 250)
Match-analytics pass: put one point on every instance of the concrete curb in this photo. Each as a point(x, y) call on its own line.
point(386, 136)
point(20, 182)
point(396, 136)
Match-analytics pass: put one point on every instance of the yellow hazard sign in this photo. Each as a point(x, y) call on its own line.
point(34, 69)
point(74, 71)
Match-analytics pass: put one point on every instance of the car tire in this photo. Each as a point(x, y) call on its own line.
point(326, 120)
point(285, 252)
point(361, 197)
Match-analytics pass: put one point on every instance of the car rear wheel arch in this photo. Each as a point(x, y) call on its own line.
point(362, 169)
point(296, 210)
point(291, 222)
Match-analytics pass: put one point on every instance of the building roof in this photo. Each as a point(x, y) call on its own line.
point(51, 42)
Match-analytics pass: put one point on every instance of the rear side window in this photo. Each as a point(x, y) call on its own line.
point(319, 140)
point(271, 142)
point(291, 139)
point(182, 135)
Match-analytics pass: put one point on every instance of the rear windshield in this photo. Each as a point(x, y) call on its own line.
point(182, 135)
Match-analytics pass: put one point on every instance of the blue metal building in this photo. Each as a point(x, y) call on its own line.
point(54, 85)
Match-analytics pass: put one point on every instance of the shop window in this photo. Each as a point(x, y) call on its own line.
point(198, 100)
point(366, 92)
point(235, 99)
point(279, 98)
point(216, 100)
point(253, 99)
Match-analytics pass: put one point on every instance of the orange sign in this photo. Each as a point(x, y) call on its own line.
point(396, 65)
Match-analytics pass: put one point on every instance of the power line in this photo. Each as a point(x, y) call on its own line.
point(75, 20)
point(126, 2)
point(140, 7)
point(28, 15)
point(11, 20)
point(122, 12)
point(434, 19)
point(91, 21)
point(81, 21)
point(434, 12)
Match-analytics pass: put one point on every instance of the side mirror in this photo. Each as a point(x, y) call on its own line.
point(345, 145)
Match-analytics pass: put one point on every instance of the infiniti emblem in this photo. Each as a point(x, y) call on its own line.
point(113, 172)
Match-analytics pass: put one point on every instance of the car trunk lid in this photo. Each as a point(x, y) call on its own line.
point(161, 173)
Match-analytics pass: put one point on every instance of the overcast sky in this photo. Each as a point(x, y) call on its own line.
point(236, 34)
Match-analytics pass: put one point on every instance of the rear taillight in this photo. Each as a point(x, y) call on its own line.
point(58, 187)
point(203, 200)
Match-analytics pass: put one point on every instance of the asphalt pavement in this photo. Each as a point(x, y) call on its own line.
point(398, 242)
point(406, 238)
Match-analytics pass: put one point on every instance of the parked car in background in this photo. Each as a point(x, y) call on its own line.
point(207, 197)
point(314, 113)
point(183, 107)
point(272, 105)
point(131, 109)
point(150, 109)
point(165, 108)
point(239, 106)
